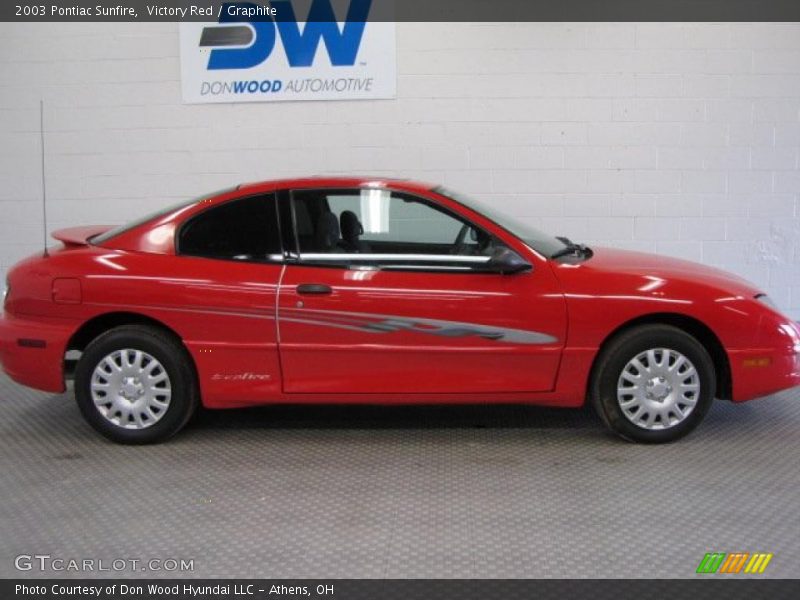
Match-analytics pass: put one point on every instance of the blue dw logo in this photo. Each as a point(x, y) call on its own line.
point(301, 48)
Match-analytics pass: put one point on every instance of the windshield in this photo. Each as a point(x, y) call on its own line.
point(111, 233)
point(538, 240)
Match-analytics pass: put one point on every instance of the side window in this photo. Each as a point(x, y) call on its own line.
point(377, 221)
point(244, 229)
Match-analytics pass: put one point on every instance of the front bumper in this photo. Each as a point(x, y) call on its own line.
point(773, 365)
point(759, 373)
point(32, 351)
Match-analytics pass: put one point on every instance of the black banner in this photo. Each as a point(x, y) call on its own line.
point(704, 587)
point(402, 10)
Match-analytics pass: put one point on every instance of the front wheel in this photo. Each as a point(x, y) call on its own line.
point(135, 385)
point(653, 384)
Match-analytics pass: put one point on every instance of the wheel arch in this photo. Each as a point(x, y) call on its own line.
point(694, 327)
point(99, 324)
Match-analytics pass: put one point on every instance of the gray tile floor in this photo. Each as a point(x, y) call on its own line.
point(401, 492)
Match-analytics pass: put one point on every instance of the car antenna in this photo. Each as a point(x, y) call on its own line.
point(44, 185)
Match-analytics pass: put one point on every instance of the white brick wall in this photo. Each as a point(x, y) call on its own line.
point(681, 139)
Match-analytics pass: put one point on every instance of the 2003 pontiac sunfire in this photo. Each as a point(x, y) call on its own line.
point(354, 290)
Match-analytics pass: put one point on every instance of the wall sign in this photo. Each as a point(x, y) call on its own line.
point(262, 53)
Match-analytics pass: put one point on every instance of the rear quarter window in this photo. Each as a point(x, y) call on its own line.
point(244, 229)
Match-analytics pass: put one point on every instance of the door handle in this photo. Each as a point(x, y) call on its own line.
point(314, 288)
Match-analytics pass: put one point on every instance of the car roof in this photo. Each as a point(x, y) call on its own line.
point(136, 237)
point(336, 182)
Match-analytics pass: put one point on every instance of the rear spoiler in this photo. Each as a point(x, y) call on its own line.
point(79, 236)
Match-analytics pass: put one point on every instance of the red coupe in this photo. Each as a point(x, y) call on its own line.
point(355, 290)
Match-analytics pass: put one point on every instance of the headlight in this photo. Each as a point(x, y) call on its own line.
point(768, 301)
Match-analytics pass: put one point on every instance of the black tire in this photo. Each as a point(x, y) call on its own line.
point(623, 348)
point(174, 359)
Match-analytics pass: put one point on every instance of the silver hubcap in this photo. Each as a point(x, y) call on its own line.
point(131, 389)
point(658, 389)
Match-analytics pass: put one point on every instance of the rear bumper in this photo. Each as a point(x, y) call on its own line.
point(32, 352)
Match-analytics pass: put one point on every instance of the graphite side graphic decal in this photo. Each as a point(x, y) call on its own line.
point(372, 323)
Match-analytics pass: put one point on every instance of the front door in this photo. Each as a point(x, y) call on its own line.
point(390, 294)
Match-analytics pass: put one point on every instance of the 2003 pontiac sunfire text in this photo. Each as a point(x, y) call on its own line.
point(249, 11)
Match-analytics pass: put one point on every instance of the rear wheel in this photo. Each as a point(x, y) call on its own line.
point(654, 383)
point(135, 385)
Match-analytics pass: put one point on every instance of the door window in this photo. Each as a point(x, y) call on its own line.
point(383, 226)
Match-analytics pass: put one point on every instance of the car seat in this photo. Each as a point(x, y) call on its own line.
point(352, 229)
point(326, 235)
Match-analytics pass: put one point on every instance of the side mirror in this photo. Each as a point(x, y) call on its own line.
point(506, 261)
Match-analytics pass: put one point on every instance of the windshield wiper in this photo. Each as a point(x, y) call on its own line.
point(571, 247)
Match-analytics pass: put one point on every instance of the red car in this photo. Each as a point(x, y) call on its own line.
point(352, 290)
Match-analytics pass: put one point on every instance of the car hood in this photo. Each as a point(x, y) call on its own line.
point(612, 268)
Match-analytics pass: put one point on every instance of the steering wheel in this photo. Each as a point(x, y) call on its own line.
point(460, 241)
